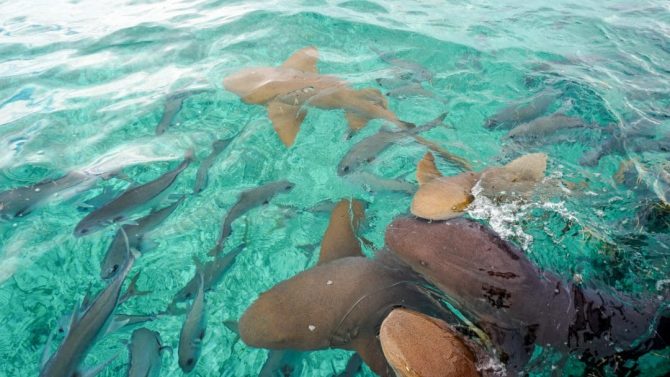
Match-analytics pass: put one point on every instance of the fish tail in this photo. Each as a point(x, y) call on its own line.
point(456, 160)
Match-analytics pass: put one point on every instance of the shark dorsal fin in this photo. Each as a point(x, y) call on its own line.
point(341, 239)
point(303, 60)
point(426, 170)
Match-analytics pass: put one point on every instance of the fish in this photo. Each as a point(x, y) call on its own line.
point(173, 104)
point(211, 272)
point(539, 128)
point(19, 202)
point(518, 305)
point(134, 234)
point(367, 150)
point(417, 345)
point(411, 71)
point(85, 328)
point(341, 237)
point(248, 200)
point(193, 331)
point(372, 182)
point(201, 176)
point(523, 111)
point(339, 304)
point(145, 353)
point(287, 90)
point(409, 90)
point(118, 209)
point(353, 366)
point(442, 198)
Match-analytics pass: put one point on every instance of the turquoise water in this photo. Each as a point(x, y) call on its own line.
point(83, 86)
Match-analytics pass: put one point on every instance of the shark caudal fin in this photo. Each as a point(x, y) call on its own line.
point(286, 120)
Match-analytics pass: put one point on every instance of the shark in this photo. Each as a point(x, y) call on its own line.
point(286, 91)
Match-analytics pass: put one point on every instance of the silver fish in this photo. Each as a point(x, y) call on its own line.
point(193, 331)
point(173, 104)
point(118, 209)
point(412, 71)
point(541, 127)
point(521, 112)
point(201, 176)
point(353, 366)
point(248, 200)
point(85, 328)
point(285, 363)
point(365, 151)
point(145, 353)
point(409, 90)
point(372, 182)
point(211, 272)
point(19, 201)
point(135, 233)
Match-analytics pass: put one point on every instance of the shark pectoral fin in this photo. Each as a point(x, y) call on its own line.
point(116, 324)
point(286, 120)
point(426, 170)
point(374, 95)
point(371, 352)
point(92, 372)
point(355, 121)
point(303, 60)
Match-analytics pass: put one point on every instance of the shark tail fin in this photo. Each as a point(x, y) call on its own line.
point(132, 290)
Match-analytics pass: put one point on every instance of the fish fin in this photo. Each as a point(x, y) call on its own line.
point(116, 325)
point(92, 372)
point(46, 353)
point(166, 348)
point(430, 125)
point(303, 60)
point(132, 290)
point(147, 244)
point(426, 170)
point(370, 350)
point(286, 120)
point(355, 121)
point(452, 158)
point(232, 326)
point(374, 95)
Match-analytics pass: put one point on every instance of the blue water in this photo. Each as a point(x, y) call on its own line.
point(83, 85)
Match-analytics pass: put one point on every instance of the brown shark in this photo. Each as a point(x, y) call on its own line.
point(417, 345)
point(442, 198)
point(518, 305)
point(286, 91)
point(339, 304)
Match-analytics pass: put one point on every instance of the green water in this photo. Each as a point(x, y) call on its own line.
point(83, 84)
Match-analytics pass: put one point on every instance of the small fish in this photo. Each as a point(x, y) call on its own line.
point(118, 209)
point(365, 151)
point(85, 328)
point(353, 366)
point(285, 363)
point(211, 272)
point(99, 200)
point(522, 112)
point(201, 176)
point(173, 104)
point(193, 331)
point(248, 200)
point(145, 353)
point(410, 90)
point(541, 127)
point(19, 201)
point(372, 182)
point(412, 71)
point(135, 233)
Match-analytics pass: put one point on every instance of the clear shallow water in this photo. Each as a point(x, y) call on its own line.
point(83, 84)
